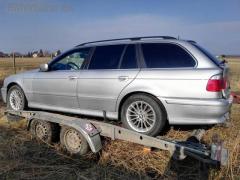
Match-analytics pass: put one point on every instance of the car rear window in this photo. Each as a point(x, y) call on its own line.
point(106, 57)
point(129, 60)
point(208, 54)
point(164, 55)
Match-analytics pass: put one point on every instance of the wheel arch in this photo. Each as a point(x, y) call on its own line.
point(13, 84)
point(126, 96)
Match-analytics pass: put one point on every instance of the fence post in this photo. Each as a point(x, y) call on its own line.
point(14, 63)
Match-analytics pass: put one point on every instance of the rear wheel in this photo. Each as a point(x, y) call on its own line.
point(143, 114)
point(73, 141)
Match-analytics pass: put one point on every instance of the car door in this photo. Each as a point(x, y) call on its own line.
point(101, 83)
point(56, 88)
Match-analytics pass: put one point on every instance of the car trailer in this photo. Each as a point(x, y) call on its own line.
point(79, 133)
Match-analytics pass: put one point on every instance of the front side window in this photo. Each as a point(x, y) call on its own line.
point(129, 60)
point(106, 57)
point(71, 61)
point(163, 55)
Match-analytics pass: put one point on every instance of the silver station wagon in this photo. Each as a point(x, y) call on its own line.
point(145, 82)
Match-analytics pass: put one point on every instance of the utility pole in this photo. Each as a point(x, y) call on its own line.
point(14, 63)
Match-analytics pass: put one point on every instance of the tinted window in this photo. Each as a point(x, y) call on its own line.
point(166, 56)
point(208, 54)
point(106, 57)
point(70, 61)
point(129, 60)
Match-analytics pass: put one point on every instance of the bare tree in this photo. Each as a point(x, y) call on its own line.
point(40, 54)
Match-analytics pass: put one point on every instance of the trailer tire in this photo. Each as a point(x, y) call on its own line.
point(46, 131)
point(73, 141)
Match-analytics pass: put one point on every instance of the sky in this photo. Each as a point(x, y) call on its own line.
point(28, 25)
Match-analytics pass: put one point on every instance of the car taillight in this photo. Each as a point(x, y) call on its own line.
point(216, 83)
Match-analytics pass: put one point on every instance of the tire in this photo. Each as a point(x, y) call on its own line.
point(46, 131)
point(143, 114)
point(23, 101)
point(67, 135)
point(16, 99)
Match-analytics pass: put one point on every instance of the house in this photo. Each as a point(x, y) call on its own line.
point(35, 54)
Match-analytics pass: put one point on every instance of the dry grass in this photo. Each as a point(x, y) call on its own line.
point(22, 64)
point(24, 158)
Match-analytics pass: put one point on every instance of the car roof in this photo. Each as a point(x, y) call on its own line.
point(131, 40)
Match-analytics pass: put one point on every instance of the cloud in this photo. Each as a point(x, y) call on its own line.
point(218, 37)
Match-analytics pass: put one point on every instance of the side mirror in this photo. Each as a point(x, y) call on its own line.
point(44, 67)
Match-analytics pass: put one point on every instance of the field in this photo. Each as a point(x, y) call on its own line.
point(22, 157)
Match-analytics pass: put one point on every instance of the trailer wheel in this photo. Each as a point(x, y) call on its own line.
point(44, 130)
point(73, 141)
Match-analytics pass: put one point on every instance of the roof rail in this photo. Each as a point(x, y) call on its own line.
point(191, 41)
point(131, 39)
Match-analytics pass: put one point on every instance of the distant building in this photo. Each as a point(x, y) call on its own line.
point(3, 54)
point(35, 54)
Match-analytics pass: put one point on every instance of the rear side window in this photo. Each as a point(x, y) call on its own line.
point(106, 57)
point(165, 55)
point(208, 54)
point(129, 60)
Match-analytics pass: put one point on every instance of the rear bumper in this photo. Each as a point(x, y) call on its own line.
point(197, 111)
point(4, 94)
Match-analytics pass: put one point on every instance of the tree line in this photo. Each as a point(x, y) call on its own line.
point(33, 54)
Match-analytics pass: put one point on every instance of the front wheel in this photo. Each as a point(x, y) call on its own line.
point(143, 114)
point(16, 99)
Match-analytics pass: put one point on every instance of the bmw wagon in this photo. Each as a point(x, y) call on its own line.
point(144, 82)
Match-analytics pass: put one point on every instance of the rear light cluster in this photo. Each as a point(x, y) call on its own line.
point(216, 83)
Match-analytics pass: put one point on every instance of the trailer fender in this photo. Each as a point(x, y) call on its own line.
point(87, 129)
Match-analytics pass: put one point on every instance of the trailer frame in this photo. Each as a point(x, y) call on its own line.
point(92, 130)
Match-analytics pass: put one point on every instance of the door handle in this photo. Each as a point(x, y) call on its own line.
point(72, 77)
point(123, 78)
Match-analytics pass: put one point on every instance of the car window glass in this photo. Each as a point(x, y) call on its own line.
point(129, 60)
point(208, 54)
point(165, 55)
point(106, 57)
point(71, 61)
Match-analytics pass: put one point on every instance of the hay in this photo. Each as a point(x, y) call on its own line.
point(22, 156)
